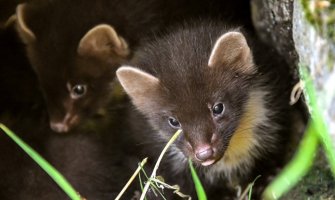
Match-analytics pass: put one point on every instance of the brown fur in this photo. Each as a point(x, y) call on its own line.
point(74, 43)
point(194, 68)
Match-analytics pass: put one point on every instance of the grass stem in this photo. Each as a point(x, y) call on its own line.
point(132, 178)
point(153, 174)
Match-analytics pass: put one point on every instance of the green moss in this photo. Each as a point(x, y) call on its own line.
point(331, 60)
point(322, 16)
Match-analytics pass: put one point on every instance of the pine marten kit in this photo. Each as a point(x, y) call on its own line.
point(103, 84)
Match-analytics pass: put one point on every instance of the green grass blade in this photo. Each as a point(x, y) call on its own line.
point(53, 173)
point(297, 168)
point(156, 190)
point(141, 183)
point(198, 186)
point(316, 133)
point(319, 121)
point(251, 186)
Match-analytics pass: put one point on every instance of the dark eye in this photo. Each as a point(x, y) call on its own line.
point(218, 109)
point(174, 123)
point(78, 91)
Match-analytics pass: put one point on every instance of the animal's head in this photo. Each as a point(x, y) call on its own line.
point(75, 71)
point(206, 90)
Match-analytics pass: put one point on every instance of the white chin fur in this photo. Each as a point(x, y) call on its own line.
point(207, 163)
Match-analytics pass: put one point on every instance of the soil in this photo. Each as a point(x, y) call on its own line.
point(318, 184)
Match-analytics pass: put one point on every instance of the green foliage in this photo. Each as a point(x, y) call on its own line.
point(251, 186)
point(296, 169)
point(198, 186)
point(321, 14)
point(317, 133)
point(53, 173)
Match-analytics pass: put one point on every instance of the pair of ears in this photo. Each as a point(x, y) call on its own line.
point(230, 50)
point(101, 41)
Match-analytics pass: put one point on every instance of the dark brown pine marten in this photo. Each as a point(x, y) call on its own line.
point(226, 91)
point(91, 158)
point(97, 161)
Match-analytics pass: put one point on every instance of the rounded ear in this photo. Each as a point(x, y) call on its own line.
point(25, 33)
point(142, 87)
point(102, 42)
point(10, 21)
point(232, 49)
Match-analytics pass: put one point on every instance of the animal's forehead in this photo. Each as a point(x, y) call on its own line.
point(197, 80)
point(180, 61)
point(193, 95)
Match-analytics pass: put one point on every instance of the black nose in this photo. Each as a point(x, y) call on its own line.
point(204, 153)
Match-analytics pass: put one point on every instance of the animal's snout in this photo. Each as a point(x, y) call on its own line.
point(204, 153)
point(59, 127)
point(64, 125)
